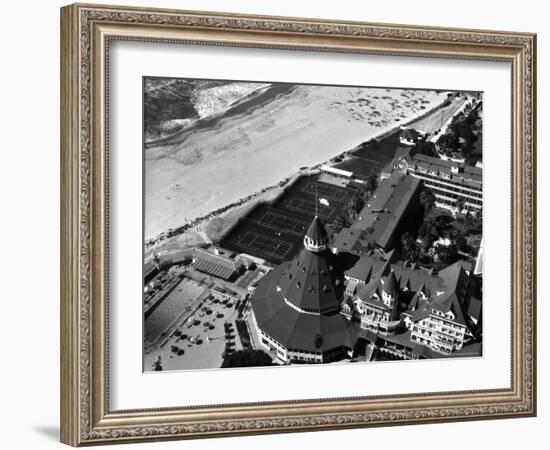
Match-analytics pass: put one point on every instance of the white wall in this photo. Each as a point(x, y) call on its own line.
point(29, 225)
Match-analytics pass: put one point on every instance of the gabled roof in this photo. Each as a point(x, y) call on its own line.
point(351, 286)
point(445, 291)
point(414, 279)
point(390, 285)
point(376, 301)
point(455, 292)
point(365, 268)
point(348, 301)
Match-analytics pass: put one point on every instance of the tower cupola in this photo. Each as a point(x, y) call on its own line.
point(316, 239)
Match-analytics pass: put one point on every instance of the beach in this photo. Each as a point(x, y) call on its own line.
point(244, 150)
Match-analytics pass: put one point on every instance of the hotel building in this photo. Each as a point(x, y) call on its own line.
point(452, 183)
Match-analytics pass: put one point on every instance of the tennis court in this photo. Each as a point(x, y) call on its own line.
point(275, 231)
point(259, 244)
point(328, 191)
point(282, 222)
point(307, 206)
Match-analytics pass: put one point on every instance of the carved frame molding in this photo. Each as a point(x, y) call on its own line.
point(86, 31)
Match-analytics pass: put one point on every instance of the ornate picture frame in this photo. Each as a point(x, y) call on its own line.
point(86, 32)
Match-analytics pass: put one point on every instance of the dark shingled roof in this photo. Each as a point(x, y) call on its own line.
point(298, 302)
point(474, 308)
point(378, 220)
point(293, 329)
point(308, 281)
point(390, 285)
point(364, 269)
point(454, 296)
point(446, 291)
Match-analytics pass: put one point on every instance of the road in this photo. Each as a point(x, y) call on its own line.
point(434, 121)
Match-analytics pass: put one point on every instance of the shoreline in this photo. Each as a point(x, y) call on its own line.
point(328, 142)
point(245, 105)
point(203, 221)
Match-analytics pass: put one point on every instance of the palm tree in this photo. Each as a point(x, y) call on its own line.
point(409, 249)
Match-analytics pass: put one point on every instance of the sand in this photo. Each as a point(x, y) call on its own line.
point(241, 154)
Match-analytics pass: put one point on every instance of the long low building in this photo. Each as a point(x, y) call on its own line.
point(452, 183)
point(391, 210)
point(215, 264)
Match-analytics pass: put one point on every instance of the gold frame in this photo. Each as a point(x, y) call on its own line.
point(86, 31)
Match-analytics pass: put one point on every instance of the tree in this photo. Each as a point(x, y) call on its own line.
point(460, 203)
point(157, 365)
point(336, 226)
point(156, 259)
point(461, 242)
point(247, 358)
point(447, 255)
point(351, 209)
point(427, 200)
point(428, 233)
point(409, 249)
point(424, 147)
point(372, 181)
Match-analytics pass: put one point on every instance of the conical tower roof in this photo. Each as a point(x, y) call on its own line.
point(309, 282)
point(316, 238)
point(316, 230)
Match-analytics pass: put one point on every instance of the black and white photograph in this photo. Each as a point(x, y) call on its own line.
point(289, 224)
